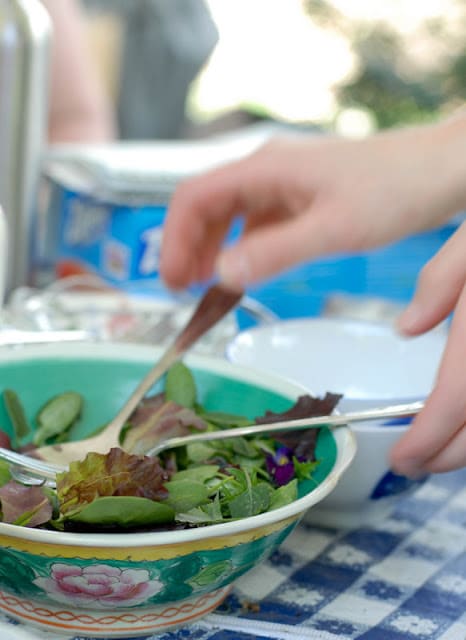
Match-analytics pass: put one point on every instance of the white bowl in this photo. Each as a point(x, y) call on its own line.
point(371, 365)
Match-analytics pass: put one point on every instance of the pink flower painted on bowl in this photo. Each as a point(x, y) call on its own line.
point(98, 586)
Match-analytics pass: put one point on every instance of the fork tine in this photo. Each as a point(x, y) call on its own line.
point(30, 479)
point(27, 463)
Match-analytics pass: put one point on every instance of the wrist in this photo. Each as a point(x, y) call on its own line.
point(448, 148)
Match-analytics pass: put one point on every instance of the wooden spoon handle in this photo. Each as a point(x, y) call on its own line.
point(213, 306)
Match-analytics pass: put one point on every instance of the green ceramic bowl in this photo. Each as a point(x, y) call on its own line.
point(122, 585)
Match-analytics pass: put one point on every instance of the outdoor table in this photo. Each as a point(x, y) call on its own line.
point(402, 577)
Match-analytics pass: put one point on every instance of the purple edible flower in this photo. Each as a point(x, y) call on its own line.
point(280, 465)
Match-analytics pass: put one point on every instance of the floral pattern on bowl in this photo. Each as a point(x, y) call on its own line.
point(98, 586)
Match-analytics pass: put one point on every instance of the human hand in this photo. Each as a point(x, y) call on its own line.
point(306, 197)
point(312, 196)
point(436, 440)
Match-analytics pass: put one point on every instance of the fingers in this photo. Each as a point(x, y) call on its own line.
point(189, 245)
point(452, 456)
point(439, 286)
point(203, 208)
point(426, 447)
point(436, 438)
point(269, 249)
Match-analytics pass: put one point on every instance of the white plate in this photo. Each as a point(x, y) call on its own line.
point(368, 363)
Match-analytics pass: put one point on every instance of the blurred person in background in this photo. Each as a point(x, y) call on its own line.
point(123, 69)
point(160, 47)
point(80, 108)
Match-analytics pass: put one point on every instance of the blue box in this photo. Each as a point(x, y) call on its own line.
point(88, 228)
point(118, 242)
point(390, 273)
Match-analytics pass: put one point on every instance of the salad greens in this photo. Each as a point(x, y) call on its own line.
point(57, 416)
point(15, 412)
point(200, 484)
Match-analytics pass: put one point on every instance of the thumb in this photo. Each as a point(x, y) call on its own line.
point(265, 251)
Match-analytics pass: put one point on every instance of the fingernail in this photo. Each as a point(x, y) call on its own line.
point(233, 270)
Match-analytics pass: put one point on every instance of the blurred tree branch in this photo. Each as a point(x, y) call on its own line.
point(387, 82)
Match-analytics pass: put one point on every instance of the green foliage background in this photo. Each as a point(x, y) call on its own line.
point(390, 83)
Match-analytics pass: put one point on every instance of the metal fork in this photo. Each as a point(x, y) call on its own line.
point(31, 471)
point(330, 421)
point(28, 470)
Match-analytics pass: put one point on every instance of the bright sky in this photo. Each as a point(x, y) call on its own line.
point(270, 53)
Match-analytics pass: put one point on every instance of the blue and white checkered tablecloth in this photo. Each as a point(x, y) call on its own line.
point(403, 578)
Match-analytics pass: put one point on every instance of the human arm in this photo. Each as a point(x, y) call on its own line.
point(308, 197)
point(80, 110)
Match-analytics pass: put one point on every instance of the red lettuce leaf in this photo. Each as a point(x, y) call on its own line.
point(24, 505)
point(156, 420)
point(302, 443)
point(147, 406)
point(114, 474)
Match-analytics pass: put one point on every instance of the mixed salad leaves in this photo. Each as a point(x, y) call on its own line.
point(199, 484)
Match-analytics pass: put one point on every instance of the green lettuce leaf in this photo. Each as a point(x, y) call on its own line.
point(125, 512)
